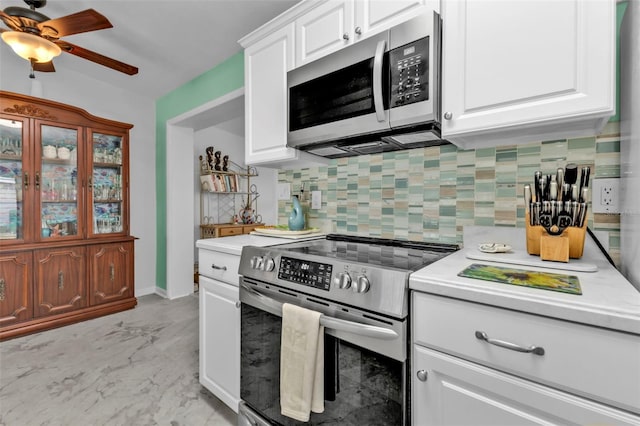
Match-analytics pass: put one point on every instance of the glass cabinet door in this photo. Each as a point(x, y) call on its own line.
point(108, 199)
point(12, 170)
point(58, 182)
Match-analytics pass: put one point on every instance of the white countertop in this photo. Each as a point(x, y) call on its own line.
point(608, 299)
point(233, 244)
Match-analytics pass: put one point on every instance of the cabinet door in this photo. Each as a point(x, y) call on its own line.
point(60, 280)
point(220, 340)
point(373, 16)
point(525, 66)
point(16, 182)
point(15, 288)
point(110, 272)
point(58, 179)
point(450, 391)
point(266, 65)
point(108, 187)
point(325, 29)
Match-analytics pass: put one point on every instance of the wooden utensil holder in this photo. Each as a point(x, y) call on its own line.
point(559, 248)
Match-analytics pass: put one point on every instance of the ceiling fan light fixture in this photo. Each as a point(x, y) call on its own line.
point(31, 47)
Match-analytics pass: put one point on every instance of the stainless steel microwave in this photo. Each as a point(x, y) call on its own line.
point(379, 94)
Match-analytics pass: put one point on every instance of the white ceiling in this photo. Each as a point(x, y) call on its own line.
point(171, 42)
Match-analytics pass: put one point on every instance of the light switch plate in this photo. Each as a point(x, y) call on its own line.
point(284, 191)
point(316, 199)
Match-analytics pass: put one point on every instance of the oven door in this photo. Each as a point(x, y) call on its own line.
point(362, 385)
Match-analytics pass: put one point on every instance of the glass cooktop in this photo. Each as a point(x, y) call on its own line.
point(398, 254)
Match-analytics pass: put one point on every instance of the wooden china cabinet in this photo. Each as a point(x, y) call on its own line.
point(66, 254)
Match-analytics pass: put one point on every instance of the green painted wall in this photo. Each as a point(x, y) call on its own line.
point(223, 79)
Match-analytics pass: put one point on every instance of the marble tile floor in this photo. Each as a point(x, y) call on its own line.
point(138, 367)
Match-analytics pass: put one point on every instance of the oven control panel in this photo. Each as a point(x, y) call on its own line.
point(312, 274)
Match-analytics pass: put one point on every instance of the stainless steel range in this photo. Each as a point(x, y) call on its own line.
point(360, 285)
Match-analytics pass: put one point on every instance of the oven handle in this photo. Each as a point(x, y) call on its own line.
point(274, 307)
point(377, 80)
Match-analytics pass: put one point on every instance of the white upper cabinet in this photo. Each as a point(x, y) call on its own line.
point(520, 71)
point(335, 24)
point(325, 29)
point(265, 77)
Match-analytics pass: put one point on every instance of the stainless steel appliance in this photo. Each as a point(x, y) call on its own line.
point(379, 94)
point(360, 285)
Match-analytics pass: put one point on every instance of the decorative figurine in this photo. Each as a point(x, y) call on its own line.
point(225, 163)
point(217, 160)
point(210, 159)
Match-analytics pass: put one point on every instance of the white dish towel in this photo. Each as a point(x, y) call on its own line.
point(301, 363)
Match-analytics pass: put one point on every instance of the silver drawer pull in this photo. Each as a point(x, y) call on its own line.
point(538, 350)
point(222, 268)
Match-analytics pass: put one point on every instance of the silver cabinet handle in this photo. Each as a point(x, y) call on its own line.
point(358, 30)
point(345, 36)
point(448, 115)
point(422, 375)
point(538, 350)
point(222, 268)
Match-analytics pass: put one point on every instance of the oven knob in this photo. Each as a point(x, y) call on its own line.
point(269, 264)
point(361, 285)
point(254, 262)
point(343, 280)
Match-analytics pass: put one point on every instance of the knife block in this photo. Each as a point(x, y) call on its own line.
point(558, 248)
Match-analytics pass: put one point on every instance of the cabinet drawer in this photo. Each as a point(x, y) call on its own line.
point(597, 363)
point(225, 232)
point(219, 266)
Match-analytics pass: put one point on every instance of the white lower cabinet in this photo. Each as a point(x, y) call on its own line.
point(475, 364)
point(458, 392)
point(220, 340)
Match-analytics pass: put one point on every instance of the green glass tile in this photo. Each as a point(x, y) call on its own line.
point(376, 168)
point(485, 186)
point(485, 152)
point(447, 211)
point(432, 163)
point(609, 146)
point(582, 143)
point(506, 155)
point(387, 210)
point(484, 221)
point(402, 183)
point(448, 149)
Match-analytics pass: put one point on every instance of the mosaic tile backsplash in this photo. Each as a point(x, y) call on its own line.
point(430, 194)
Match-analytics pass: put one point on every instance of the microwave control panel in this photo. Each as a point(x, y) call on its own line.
point(409, 66)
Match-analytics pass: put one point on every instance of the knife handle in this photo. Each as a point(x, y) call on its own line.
point(571, 173)
point(560, 177)
point(527, 200)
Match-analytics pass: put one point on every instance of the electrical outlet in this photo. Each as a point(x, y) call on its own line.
point(284, 191)
point(316, 200)
point(605, 196)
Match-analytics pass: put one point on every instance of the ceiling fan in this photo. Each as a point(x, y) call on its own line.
point(36, 38)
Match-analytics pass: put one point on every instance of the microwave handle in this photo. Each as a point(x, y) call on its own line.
point(275, 307)
point(378, 61)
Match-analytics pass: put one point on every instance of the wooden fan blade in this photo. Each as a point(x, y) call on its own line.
point(81, 22)
point(44, 66)
point(9, 21)
point(96, 57)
